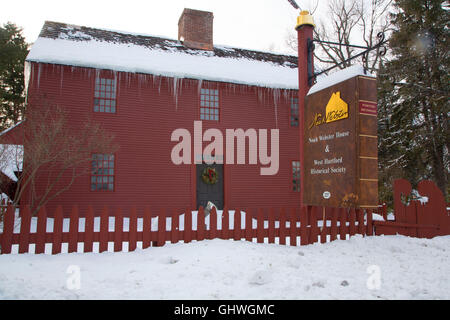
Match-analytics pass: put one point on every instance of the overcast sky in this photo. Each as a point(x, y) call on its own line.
point(252, 24)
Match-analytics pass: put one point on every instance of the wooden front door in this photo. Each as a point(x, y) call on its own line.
point(210, 192)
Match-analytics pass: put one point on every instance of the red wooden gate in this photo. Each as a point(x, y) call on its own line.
point(418, 218)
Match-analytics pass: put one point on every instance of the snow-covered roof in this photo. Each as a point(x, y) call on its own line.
point(10, 128)
point(60, 43)
point(339, 76)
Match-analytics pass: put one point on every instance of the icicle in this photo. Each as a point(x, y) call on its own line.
point(177, 83)
point(97, 74)
point(116, 76)
point(199, 88)
point(39, 75)
point(61, 71)
point(276, 97)
point(159, 85)
point(174, 93)
point(26, 78)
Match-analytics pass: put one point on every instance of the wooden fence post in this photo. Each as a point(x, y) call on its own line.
point(352, 222)
point(24, 237)
point(89, 230)
point(248, 225)
point(369, 230)
point(201, 224)
point(73, 229)
point(304, 239)
point(361, 227)
point(162, 228)
point(132, 239)
point(213, 223)
point(57, 230)
point(188, 226)
point(260, 226)
point(384, 211)
point(324, 229)
point(118, 230)
point(225, 224)
point(282, 230)
point(41, 230)
point(333, 231)
point(271, 231)
point(175, 226)
point(104, 228)
point(237, 224)
point(411, 217)
point(314, 227)
point(8, 230)
point(147, 228)
point(293, 228)
point(343, 224)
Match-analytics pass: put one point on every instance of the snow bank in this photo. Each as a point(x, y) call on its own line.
point(383, 267)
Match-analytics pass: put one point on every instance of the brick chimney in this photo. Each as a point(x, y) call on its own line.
point(195, 29)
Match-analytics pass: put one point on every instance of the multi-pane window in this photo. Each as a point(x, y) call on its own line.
point(294, 112)
point(209, 104)
point(102, 172)
point(296, 176)
point(105, 95)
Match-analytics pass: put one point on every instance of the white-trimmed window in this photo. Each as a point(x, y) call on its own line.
point(209, 104)
point(105, 95)
point(102, 172)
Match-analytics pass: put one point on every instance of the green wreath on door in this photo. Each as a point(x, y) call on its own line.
point(210, 175)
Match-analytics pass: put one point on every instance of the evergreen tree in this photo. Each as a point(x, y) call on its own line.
point(13, 51)
point(414, 96)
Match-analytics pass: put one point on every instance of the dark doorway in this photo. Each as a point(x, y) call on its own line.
point(210, 192)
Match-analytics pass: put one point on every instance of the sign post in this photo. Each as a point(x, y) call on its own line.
point(305, 29)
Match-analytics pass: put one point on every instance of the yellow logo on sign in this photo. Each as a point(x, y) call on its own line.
point(336, 108)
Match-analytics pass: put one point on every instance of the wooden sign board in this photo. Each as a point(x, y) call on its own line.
point(341, 145)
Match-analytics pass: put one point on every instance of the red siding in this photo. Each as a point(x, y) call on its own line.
point(148, 110)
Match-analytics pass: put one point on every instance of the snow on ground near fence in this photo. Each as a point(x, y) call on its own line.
point(407, 268)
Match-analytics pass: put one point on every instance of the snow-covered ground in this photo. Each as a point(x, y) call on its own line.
point(382, 267)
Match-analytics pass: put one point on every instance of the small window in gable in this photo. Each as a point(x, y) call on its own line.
point(209, 104)
point(105, 95)
point(294, 112)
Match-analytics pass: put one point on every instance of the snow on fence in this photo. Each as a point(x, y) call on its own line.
point(125, 231)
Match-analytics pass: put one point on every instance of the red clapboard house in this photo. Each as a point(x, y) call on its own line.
point(141, 88)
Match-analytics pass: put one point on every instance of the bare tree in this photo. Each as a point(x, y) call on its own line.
point(55, 153)
point(349, 22)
